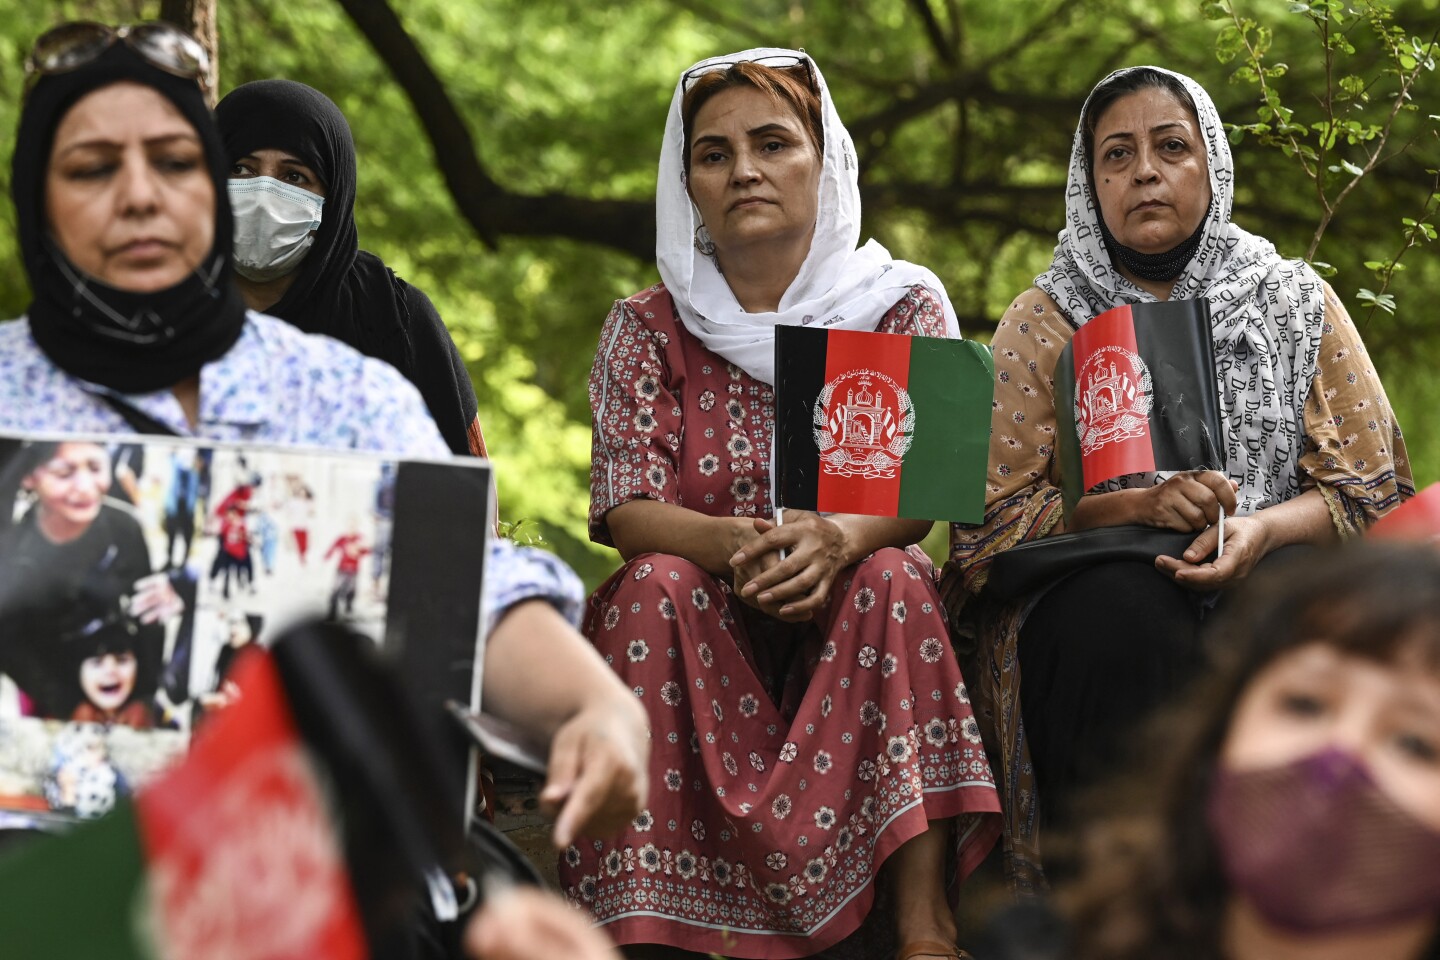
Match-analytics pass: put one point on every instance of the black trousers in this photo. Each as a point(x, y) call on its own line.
point(1099, 653)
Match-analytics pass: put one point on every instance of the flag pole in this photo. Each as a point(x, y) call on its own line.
point(1220, 550)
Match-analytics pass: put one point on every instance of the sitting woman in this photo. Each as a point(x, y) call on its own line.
point(1296, 812)
point(808, 719)
point(119, 182)
point(1312, 448)
point(298, 256)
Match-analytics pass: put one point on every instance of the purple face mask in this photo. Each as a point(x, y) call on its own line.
point(1317, 847)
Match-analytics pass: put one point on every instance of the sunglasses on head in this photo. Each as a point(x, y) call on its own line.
point(71, 46)
point(787, 61)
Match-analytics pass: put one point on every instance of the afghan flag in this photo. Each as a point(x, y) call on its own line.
point(882, 424)
point(229, 854)
point(239, 851)
point(1138, 384)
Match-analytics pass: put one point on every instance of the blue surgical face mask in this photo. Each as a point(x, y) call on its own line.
point(274, 224)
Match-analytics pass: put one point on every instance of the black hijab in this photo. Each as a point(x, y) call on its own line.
point(340, 290)
point(130, 342)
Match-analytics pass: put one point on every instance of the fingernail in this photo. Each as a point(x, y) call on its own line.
point(1191, 554)
point(765, 597)
point(738, 558)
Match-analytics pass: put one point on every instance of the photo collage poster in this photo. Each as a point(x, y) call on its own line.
point(133, 571)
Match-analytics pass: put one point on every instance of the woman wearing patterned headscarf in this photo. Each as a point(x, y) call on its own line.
point(1313, 451)
point(795, 758)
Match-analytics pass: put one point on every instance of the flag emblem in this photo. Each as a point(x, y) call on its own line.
point(1113, 397)
point(864, 422)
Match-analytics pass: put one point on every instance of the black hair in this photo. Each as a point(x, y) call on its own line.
point(1122, 84)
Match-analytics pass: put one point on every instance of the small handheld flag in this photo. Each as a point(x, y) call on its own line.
point(882, 424)
point(1135, 392)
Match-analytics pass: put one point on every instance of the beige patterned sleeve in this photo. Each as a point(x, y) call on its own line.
point(1022, 500)
point(1354, 451)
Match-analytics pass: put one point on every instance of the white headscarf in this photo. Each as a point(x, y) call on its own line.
point(1266, 312)
point(838, 286)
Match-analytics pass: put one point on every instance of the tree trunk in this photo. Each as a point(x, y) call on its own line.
point(199, 18)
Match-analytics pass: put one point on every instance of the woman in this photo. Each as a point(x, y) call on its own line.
point(1313, 449)
point(293, 167)
point(796, 759)
point(1297, 813)
point(71, 564)
point(119, 181)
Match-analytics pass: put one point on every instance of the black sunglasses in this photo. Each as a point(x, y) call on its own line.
point(71, 46)
point(788, 61)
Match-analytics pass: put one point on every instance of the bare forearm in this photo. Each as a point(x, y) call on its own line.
point(865, 535)
point(1103, 510)
point(649, 526)
point(1303, 519)
point(540, 672)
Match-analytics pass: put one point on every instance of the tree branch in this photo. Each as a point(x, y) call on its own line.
point(197, 17)
point(492, 210)
point(934, 31)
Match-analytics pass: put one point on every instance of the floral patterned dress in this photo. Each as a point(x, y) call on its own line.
point(787, 761)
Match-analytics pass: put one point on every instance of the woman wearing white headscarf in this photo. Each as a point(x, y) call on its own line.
point(808, 717)
point(1312, 448)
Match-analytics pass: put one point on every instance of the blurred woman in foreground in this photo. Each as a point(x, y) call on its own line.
point(1300, 813)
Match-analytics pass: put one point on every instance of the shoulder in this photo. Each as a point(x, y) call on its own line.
point(333, 388)
point(35, 394)
point(1032, 321)
point(651, 299)
point(651, 312)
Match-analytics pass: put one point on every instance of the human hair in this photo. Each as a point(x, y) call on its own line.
point(1103, 97)
point(1151, 883)
point(789, 86)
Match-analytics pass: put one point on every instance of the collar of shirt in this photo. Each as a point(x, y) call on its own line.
point(232, 392)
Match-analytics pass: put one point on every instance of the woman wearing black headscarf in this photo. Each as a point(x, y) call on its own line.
point(124, 223)
point(297, 251)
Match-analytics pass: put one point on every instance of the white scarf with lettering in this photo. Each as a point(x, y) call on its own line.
point(1266, 314)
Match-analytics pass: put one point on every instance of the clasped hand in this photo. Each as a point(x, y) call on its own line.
point(1192, 502)
point(795, 588)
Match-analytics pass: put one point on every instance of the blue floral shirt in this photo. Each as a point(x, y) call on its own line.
point(277, 385)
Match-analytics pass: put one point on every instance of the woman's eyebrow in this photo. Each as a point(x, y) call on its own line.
point(1127, 135)
point(104, 143)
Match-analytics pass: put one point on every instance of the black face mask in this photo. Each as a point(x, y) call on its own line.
point(1154, 266)
point(130, 342)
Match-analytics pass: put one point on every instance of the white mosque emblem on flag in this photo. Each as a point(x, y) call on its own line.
point(1113, 396)
point(864, 423)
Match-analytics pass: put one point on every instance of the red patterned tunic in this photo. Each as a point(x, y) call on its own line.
point(787, 762)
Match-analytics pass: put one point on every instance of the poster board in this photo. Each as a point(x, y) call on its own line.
point(133, 570)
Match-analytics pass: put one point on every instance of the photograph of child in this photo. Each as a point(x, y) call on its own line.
point(133, 575)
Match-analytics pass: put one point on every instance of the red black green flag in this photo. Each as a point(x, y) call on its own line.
point(231, 853)
point(1138, 382)
point(882, 424)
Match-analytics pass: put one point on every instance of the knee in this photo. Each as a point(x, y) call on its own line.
point(654, 575)
point(893, 570)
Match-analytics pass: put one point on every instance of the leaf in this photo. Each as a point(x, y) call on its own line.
point(1351, 169)
point(1299, 8)
point(1214, 10)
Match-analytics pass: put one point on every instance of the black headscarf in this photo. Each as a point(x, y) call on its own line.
point(339, 289)
point(130, 342)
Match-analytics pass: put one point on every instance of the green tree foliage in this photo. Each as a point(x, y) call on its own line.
point(962, 111)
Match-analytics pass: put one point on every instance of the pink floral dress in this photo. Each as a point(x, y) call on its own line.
point(787, 761)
